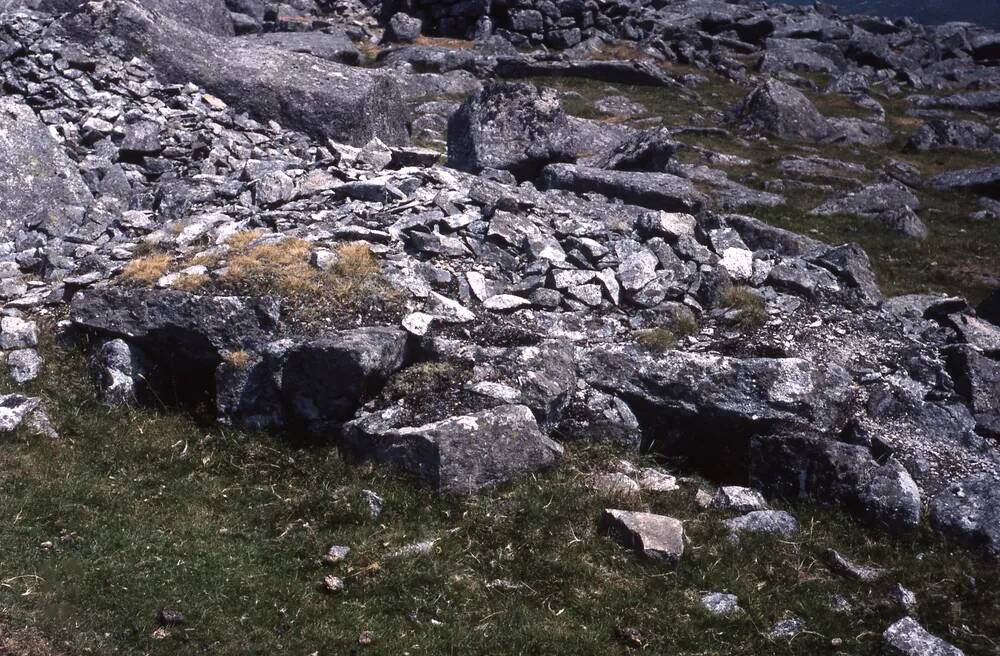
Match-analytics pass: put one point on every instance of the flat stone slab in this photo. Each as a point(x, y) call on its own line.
point(656, 537)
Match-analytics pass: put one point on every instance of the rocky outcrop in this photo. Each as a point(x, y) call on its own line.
point(347, 104)
point(660, 191)
point(776, 109)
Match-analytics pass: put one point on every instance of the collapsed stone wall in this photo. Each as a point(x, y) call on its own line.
point(556, 23)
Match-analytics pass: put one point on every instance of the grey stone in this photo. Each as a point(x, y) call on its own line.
point(907, 637)
point(767, 522)
point(656, 537)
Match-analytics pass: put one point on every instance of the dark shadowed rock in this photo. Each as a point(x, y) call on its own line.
point(40, 188)
point(989, 308)
point(512, 127)
point(836, 473)
point(776, 109)
point(462, 453)
point(977, 379)
point(177, 324)
point(660, 191)
point(344, 103)
point(650, 150)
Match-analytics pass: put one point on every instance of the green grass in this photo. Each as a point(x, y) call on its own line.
point(152, 509)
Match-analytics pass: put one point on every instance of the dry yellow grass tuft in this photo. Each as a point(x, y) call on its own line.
point(241, 240)
point(237, 359)
point(281, 267)
point(443, 42)
point(192, 282)
point(146, 270)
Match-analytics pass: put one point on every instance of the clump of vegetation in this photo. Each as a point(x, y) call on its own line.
point(657, 340)
point(422, 378)
point(146, 270)
point(192, 282)
point(237, 359)
point(750, 307)
point(684, 325)
point(280, 267)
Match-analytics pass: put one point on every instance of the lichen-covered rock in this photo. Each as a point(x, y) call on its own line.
point(511, 127)
point(776, 109)
point(40, 188)
point(462, 453)
point(968, 511)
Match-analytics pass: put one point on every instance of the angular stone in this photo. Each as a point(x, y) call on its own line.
point(767, 522)
point(739, 499)
point(909, 638)
point(656, 537)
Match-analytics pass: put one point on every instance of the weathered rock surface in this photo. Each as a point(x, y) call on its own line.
point(776, 109)
point(513, 127)
point(655, 537)
point(463, 453)
point(907, 637)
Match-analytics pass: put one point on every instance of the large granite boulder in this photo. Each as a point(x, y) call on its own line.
point(512, 127)
point(40, 187)
point(777, 109)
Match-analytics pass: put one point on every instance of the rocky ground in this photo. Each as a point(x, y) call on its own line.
point(538, 283)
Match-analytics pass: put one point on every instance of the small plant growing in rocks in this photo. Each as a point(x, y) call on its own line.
point(657, 340)
point(750, 307)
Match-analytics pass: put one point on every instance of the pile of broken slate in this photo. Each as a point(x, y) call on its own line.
point(524, 264)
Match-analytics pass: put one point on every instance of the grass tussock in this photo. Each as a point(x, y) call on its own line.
point(657, 340)
point(237, 359)
point(752, 311)
point(146, 270)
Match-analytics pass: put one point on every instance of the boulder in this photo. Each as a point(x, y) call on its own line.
point(647, 150)
point(347, 104)
point(403, 28)
point(778, 110)
point(984, 181)
point(945, 133)
point(889, 203)
point(178, 325)
point(655, 537)
point(739, 499)
point(462, 453)
point(658, 191)
point(40, 187)
point(512, 127)
point(977, 379)
point(968, 511)
point(831, 472)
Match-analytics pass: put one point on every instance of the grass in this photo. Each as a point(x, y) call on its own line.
point(752, 311)
point(149, 509)
point(657, 340)
point(145, 270)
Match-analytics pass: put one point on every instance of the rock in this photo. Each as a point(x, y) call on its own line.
point(334, 584)
point(977, 379)
point(654, 480)
point(40, 188)
point(179, 325)
point(787, 629)
point(14, 409)
point(659, 191)
point(776, 109)
point(324, 380)
point(968, 511)
point(24, 365)
point(17, 333)
point(984, 181)
point(649, 150)
point(614, 483)
point(989, 308)
point(904, 599)
point(889, 203)
point(768, 522)
point(462, 453)
point(944, 133)
point(512, 127)
point(837, 473)
point(167, 617)
point(722, 604)
point(336, 554)
point(403, 28)
point(656, 537)
point(849, 569)
point(374, 502)
point(907, 637)
point(331, 44)
point(120, 371)
point(738, 499)
point(289, 87)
